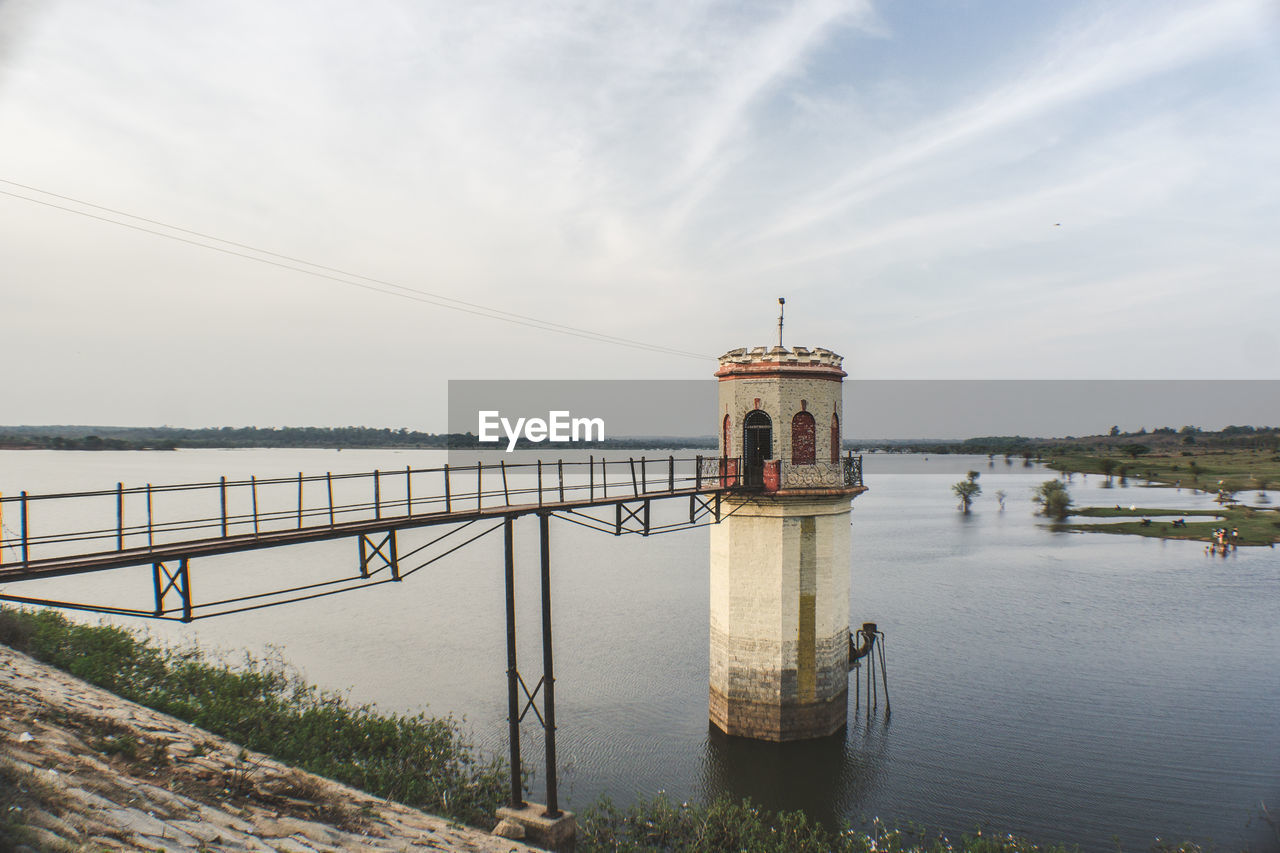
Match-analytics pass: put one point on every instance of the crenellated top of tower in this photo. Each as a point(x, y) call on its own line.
point(773, 360)
point(781, 355)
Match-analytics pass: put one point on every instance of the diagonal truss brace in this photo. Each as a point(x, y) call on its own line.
point(530, 699)
point(700, 507)
point(177, 581)
point(382, 551)
point(627, 516)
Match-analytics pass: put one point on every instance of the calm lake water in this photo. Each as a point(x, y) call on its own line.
point(1084, 688)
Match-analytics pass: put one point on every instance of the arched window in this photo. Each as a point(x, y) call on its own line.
point(757, 445)
point(757, 436)
point(835, 438)
point(727, 450)
point(803, 439)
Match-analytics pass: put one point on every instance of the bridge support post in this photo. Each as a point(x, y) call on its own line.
point(544, 826)
point(548, 667)
point(513, 677)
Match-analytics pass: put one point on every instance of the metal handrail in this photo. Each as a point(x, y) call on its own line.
point(306, 502)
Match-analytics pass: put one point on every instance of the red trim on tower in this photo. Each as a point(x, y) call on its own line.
point(766, 370)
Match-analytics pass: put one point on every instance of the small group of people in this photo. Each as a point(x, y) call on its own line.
point(1223, 540)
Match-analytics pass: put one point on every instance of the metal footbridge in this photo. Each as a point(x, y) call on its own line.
point(167, 527)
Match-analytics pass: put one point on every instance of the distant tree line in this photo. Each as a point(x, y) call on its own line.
point(169, 438)
point(1162, 438)
point(63, 437)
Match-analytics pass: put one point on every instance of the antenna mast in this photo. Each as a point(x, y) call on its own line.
point(782, 307)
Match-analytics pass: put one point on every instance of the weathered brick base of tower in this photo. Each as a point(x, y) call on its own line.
point(780, 616)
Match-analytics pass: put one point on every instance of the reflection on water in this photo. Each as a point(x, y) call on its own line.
point(830, 778)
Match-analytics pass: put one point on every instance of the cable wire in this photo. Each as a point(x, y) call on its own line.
point(339, 275)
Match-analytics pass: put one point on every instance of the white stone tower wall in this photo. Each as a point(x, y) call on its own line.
point(780, 575)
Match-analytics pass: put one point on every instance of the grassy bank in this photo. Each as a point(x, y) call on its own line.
point(1206, 469)
point(1256, 526)
point(415, 760)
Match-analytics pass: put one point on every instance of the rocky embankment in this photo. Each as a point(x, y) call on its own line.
point(83, 769)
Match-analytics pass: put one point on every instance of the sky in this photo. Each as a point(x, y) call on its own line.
point(941, 190)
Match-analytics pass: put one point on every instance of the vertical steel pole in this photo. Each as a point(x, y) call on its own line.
point(155, 582)
point(560, 477)
point(395, 556)
point(857, 690)
point(299, 500)
point(186, 590)
point(222, 494)
point(671, 473)
point(408, 490)
point(591, 477)
point(884, 677)
point(119, 516)
point(253, 488)
point(446, 488)
point(506, 494)
point(479, 486)
point(328, 479)
point(377, 494)
point(548, 669)
point(150, 538)
point(513, 678)
point(539, 482)
point(697, 475)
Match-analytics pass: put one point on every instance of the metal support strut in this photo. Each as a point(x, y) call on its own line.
point(179, 581)
point(866, 646)
point(513, 677)
point(385, 550)
point(546, 715)
point(548, 670)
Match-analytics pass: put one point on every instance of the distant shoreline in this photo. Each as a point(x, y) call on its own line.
point(82, 437)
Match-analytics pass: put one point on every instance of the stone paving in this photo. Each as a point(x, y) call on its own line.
point(103, 773)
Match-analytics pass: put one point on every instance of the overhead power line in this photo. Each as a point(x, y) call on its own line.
point(301, 265)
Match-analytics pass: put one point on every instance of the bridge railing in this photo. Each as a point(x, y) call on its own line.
point(844, 473)
point(40, 526)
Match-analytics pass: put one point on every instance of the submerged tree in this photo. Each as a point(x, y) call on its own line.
point(1053, 498)
point(966, 490)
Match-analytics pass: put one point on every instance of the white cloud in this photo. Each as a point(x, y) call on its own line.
point(656, 171)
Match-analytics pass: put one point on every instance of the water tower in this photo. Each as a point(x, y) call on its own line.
point(781, 556)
